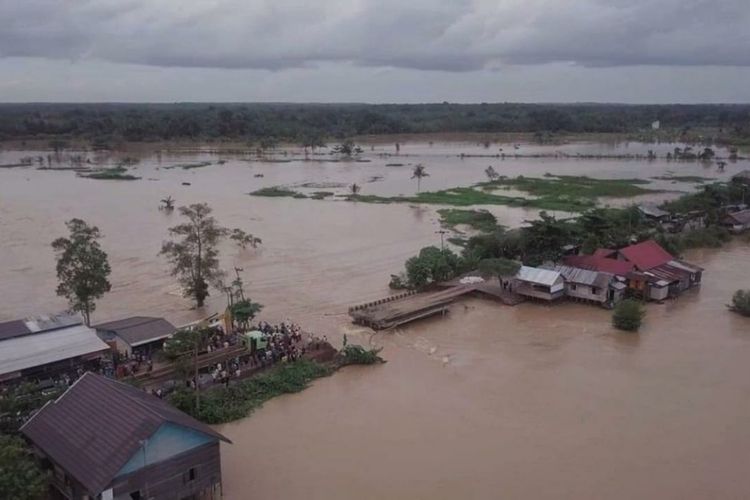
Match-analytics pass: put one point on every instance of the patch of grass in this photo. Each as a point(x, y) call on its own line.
point(225, 404)
point(563, 193)
point(275, 191)
point(481, 220)
point(110, 174)
point(570, 187)
point(321, 195)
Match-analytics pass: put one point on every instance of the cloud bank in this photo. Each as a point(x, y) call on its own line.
point(444, 35)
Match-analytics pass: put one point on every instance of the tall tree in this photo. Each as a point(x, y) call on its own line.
point(194, 255)
point(20, 476)
point(501, 268)
point(418, 173)
point(82, 267)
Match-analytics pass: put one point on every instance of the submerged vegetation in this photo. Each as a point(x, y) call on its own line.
point(225, 404)
point(118, 173)
point(741, 302)
point(481, 220)
point(565, 193)
point(628, 315)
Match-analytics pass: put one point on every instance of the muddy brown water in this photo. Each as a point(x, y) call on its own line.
point(490, 402)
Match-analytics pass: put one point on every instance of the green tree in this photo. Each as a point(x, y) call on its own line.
point(432, 265)
point(243, 312)
point(194, 256)
point(82, 267)
point(183, 348)
point(544, 239)
point(419, 172)
point(741, 302)
point(500, 268)
point(20, 476)
point(628, 315)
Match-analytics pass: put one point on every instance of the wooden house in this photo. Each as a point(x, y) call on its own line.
point(539, 283)
point(107, 440)
point(737, 222)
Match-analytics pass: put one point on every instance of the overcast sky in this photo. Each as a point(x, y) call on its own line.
point(375, 50)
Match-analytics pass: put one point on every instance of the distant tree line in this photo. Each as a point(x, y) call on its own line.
point(310, 124)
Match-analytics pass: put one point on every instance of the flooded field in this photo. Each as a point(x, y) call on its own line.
point(491, 402)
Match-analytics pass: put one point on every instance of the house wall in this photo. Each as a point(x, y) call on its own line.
point(658, 293)
point(586, 292)
point(170, 479)
point(544, 293)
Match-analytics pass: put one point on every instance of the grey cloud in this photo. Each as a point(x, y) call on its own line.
point(448, 35)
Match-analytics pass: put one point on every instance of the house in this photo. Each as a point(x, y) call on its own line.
point(107, 440)
point(658, 266)
point(737, 222)
point(742, 177)
point(654, 213)
point(46, 346)
point(648, 270)
point(539, 283)
point(139, 334)
point(592, 286)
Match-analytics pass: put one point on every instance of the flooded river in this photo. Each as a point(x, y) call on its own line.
point(490, 402)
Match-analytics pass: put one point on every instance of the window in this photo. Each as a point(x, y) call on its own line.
point(572, 286)
point(595, 290)
point(136, 495)
point(190, 475)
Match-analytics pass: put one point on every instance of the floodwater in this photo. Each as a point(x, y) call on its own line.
point(490, 402)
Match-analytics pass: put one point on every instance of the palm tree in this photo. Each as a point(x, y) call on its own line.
point(167, 204)
point(419, 171)
point(491, 173)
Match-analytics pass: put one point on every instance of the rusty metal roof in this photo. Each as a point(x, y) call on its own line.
point(96, 426)
point(584, 276)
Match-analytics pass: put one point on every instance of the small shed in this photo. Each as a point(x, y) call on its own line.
point(737, 222)
point(539, 283)
point(138, 334)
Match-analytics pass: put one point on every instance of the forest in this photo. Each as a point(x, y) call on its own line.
point(312, 124)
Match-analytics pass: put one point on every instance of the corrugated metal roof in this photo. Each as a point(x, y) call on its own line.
point(12, 329)
point(43, 348)
point(139, 329)
point(37, 324)
point(598, 263)
point(652, 211)
point(538, 276)
point(646, 254)
point(741, 217)
point(117, 419)
point(584, 276)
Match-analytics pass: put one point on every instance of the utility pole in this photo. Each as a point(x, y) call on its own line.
point(442, 234)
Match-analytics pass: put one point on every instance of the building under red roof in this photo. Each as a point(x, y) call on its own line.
point(646, 255)
point(597, 263)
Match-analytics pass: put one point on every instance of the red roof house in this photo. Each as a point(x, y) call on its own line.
point(645, 255)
